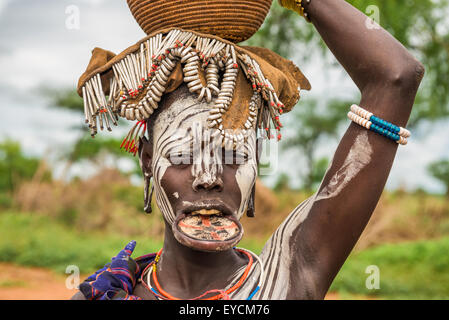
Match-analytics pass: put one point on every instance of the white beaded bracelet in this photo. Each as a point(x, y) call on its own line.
point(373, 127)
point(382, 123)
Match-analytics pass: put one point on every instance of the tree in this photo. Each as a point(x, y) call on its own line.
point(318, 171)
point(15, 167)
point(421, 26)
point(440, 171)
point(85, 148)
point(282, 183)
point(310, 126)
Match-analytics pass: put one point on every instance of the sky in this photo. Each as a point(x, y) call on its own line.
point(42, 45)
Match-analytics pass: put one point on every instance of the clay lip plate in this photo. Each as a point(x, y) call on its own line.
point(206, 245)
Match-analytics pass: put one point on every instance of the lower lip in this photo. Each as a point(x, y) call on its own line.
point(214, 239)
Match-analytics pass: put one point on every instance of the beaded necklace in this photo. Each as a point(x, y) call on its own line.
point(222, 294)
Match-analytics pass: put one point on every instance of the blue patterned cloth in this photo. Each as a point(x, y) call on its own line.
point(116, 280)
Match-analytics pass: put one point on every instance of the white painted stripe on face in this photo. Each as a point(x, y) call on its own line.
point(207, 165)
point(168, 132)
point(247, 172)
point(186, 121)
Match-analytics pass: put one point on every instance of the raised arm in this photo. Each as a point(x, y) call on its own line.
point(322, 232)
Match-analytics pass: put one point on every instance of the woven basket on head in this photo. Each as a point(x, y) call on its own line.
point(233, 20)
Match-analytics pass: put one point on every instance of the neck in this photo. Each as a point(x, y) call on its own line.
point(187, 273)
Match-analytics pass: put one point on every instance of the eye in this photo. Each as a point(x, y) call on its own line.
point(240, 157)
point(233, 157)
point(180, 158)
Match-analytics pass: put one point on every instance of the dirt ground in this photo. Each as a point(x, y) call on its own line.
point(24, 283)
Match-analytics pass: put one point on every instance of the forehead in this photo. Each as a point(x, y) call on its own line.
point(186, 117)
point(182, 114)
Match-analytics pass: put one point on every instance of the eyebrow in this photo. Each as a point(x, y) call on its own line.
point(180, 122)
point(180, 144)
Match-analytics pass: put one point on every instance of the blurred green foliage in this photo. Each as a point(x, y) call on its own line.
point(96, 149)
point(282, 183)
point(86, 148)
point(407, 271)
point(318, 171)
point(310, 125)
point(440, 171)
point(15, 167)
point(40, 241)
point(420, 25)
point(68, 99)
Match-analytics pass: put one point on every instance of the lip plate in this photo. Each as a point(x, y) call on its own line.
point(208, 205)
point(206, 245)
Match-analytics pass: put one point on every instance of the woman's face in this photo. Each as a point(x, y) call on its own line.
point(201, 187)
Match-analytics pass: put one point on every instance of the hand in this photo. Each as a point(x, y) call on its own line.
point(293, 5)
point(116, 280)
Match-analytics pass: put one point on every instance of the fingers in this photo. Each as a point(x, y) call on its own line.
point(130, 247)
point(127, 251)
point(133, 267)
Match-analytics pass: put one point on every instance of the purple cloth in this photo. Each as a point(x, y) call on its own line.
point(116, 280)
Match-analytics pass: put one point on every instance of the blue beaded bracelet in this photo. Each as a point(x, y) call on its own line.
point(384, 124)
point(385, 132)
point(380, 122)
point(377, 125)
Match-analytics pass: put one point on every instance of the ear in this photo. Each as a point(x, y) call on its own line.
point(259, 141)
point(145, 160)
point(251, 210)
point(146, 157)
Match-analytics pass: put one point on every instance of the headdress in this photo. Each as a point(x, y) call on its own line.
point(192, 42)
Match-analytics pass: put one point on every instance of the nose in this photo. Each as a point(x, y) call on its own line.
point(207, 183)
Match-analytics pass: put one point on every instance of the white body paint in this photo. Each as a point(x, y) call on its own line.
point(358, 157)
point(247, 172)
point(278, 253)
point(184, 126)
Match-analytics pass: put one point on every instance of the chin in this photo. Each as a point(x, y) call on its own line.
point(210, 228)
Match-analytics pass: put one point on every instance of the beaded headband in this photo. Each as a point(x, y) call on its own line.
point(132, 84)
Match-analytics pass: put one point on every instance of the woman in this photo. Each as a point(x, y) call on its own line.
point(307, 250)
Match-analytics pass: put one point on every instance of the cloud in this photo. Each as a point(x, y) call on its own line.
point(3, 4)
point(36, 47)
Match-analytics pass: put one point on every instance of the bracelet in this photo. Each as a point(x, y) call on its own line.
point(297, 6)
point(379, 122)
point(367, 120)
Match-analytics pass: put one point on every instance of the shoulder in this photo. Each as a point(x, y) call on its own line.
point(142, 292)
point(283, 238)
point(285, 264)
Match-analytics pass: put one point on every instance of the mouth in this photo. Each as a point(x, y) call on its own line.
point(207, 227)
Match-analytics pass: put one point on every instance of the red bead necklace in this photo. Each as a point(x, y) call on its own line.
point(223, 294)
